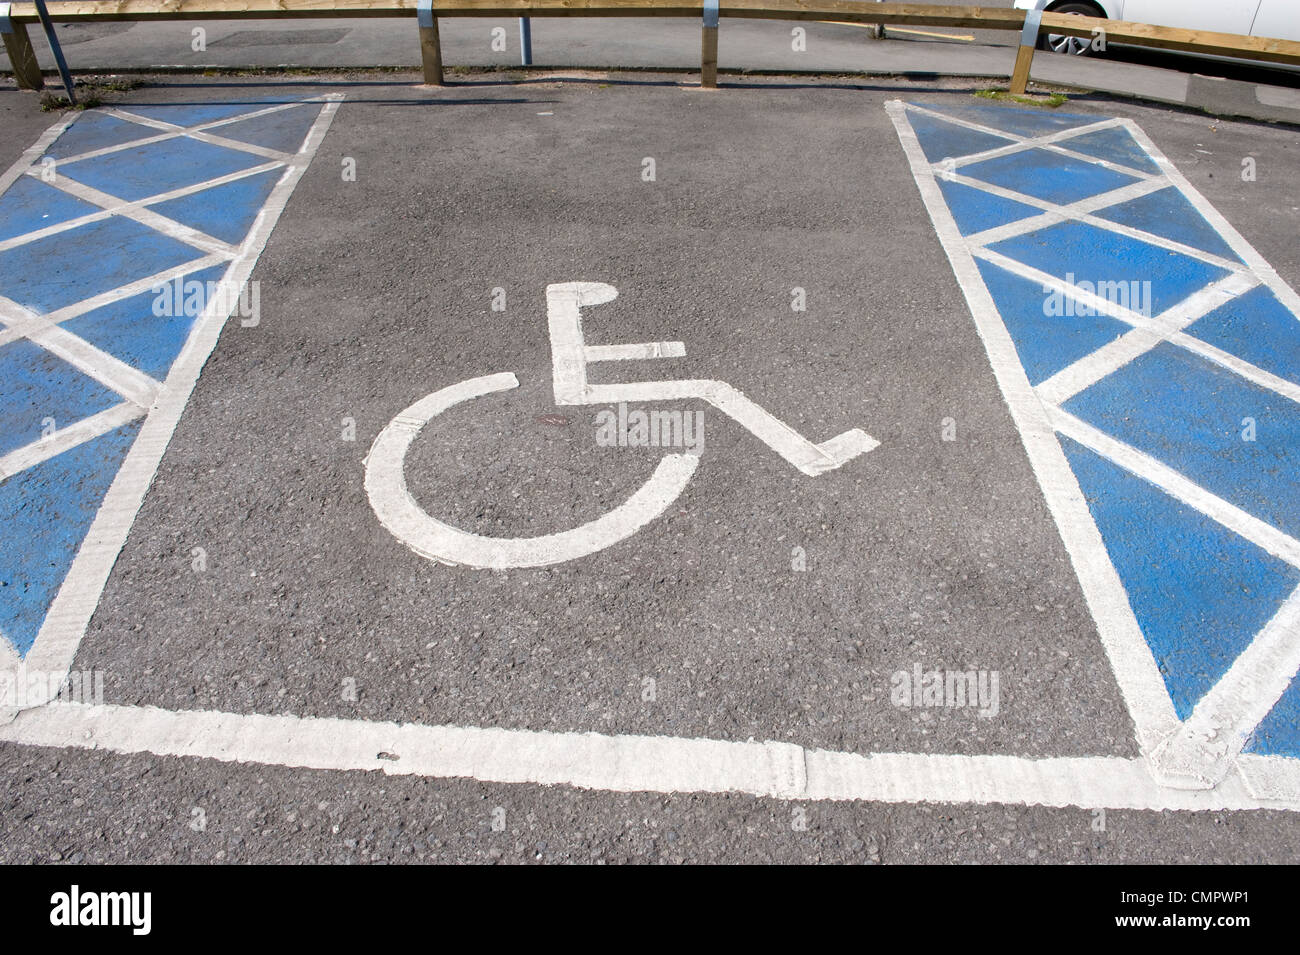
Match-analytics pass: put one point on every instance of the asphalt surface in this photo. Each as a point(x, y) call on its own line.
point(377, 292)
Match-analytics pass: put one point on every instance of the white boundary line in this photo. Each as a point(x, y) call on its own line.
point(34, 152)
point(618, 763)
point(69, 614)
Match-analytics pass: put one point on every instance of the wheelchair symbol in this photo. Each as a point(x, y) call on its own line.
point(398, 511)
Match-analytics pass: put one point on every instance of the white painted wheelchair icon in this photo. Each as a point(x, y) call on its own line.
point(408, 522)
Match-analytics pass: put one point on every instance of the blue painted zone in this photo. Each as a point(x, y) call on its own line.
point(197, 114)
point(61, 269)
point(940, 140)
point(1045, 343)
point(158, 167)
point(1047, 175)
point(1115, 145)
point(1168, 214)
point(96, 131)
point(1276, 735)
point(1097, 255)
point(1019, 122)
point(223, 212)
point(47, 508)
point(1200, 593)
point(284, 130)
point(130, 331)
point(976, 210)
point(40, 387)
point(1188, 413)
point(29, 205)
point(1257, 328)
point(1158, 545)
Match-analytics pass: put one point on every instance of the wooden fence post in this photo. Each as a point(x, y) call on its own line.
point(430, 46)
point(27, 72)
point(709, 46)
point(1025, 53)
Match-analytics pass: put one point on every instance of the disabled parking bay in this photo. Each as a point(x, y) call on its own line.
point(785, 471)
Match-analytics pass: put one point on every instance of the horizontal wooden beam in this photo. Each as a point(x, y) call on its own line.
point(853, 11)
point(1175, 38)
point(848, 11)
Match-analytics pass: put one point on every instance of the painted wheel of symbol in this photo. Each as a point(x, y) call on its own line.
point(402, 515)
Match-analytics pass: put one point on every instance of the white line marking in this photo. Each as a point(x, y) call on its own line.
point(642, 351)
point(1081, 212)
point(173, 131)
point(34, 152)
point(1259, 533)
point(1243, 369)
point(1201, 753)
point(70, 613)
point(64, 439)
point(30, 321)
point(618, 763)
point(1285, 294)
point(1270, 777)
point(406, 520)
point(1033, 142)
point(569, 356)
point(1055, 213)
point(10, 661)
point(91, 217)
point(1131, 660)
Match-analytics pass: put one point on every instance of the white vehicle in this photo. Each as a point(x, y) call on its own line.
point(1279, 19)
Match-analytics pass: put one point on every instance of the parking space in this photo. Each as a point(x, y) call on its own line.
point(614, 433)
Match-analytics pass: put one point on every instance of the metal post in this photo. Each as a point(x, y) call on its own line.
point(526, 41)
point(44, 14)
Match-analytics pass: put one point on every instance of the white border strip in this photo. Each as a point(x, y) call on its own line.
point(1131, 660)
point(618, 763)
point(69, 615)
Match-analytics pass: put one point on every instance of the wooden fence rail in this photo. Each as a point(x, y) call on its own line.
point(23, 60)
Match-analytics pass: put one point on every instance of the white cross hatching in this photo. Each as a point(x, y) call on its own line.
point(1205, 747)
point(137, 389)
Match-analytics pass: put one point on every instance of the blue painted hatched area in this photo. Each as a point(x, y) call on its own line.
point(114, 246)
point(1169, 367)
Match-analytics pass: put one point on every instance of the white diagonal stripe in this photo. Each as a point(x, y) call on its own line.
point(1261, 534)
point(1147, 334)
point(128, 382)
point(1048, 141)
point(28, 322)
point(146, 217)
point(183, 191)
point(64, 439)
